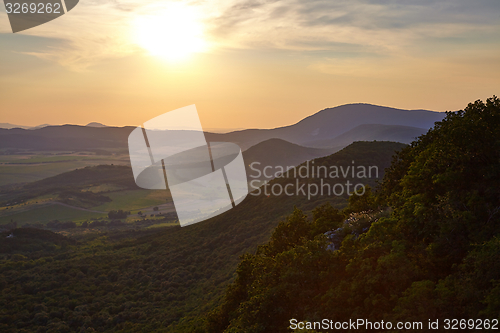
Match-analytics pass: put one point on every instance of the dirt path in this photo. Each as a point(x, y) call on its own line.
point(74, 207)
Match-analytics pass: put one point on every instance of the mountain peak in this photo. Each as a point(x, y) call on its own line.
point(95, 124)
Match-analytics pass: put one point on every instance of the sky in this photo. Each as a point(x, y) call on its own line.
point(247, 64)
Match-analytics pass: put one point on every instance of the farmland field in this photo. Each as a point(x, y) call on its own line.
point(47, 213)
point(133, 200)
point(29, 168)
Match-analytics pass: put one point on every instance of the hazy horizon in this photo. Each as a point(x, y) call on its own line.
point(207, 129)
point(247, 64)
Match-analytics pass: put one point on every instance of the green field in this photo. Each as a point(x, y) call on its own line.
point(10, 174)
point(133, 200)
point(104, 188)
point(48, 213)
point(166, 224)
point(48, 159)
point(27, 172)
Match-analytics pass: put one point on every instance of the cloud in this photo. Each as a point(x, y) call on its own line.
point(364, 22)
point(100, 29)
point(92, 31)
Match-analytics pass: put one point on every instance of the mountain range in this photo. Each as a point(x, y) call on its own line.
point(9, 126)
point(318, 135)
point(372, 132)
point(332, 122)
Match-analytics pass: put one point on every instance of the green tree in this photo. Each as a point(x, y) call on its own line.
point(431, 253)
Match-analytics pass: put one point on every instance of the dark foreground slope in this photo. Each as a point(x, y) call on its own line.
point(162, 282)
point(430, 255)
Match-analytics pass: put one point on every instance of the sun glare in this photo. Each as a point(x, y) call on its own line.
point(173, 33)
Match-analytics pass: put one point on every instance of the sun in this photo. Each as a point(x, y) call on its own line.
point(172, 33)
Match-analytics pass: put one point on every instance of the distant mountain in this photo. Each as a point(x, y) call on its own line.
point(332, 122)
point(8, 126)
point(371, 132)
point(41, 126)
point(275, 153)
point(95, 124)
point(312, 131)
point(65, 137)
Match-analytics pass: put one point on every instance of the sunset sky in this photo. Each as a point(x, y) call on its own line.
point(247, 64)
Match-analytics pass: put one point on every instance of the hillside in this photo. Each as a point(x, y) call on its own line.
point(370, 132)
point(163, 281)
point(421, 250)
point(277, 152)
point(75, 181)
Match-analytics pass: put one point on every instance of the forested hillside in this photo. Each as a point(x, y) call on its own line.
point(426, 246)
point(145, 280)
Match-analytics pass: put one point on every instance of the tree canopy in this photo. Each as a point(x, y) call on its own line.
point(424, 246)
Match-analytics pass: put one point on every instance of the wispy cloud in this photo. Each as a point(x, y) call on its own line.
point(92, 31)
point(365, 22)
point(97, 30)
point(373, 38)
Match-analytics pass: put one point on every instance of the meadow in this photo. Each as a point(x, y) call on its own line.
point(46, 213)
point(135, 200)
point(43, 206)
point(29, 168)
